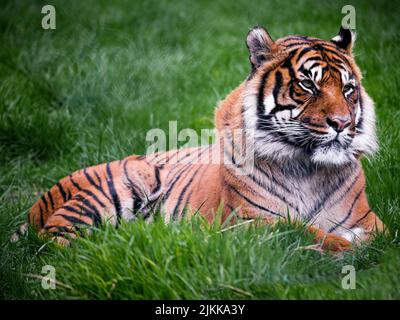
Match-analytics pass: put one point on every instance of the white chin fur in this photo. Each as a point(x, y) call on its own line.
point(332, 156)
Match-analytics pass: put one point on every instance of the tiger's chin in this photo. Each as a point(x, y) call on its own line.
point(328, 155)
point(332, 156)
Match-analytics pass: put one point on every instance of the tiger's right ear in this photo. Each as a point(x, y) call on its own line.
point(260, 45)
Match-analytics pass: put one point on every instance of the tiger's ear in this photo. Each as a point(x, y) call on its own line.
point(260, 45)
point(345, 39)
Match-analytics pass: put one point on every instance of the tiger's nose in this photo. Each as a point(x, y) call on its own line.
point(338, 123)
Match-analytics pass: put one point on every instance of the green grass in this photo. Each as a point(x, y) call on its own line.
point(89, 91)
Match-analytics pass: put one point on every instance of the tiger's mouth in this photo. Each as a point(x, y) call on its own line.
point(309, 139)
point(337, 141)
point(331, 149)
point(335, 144)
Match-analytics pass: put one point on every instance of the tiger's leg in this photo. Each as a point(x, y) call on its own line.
point(77, 217)
point(358, 224)
point(108, 192)
point(325, 240)
point(363, 227)
point(329, 241)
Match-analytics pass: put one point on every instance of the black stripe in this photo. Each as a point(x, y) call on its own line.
point(305, 106)
point(260, 98)
point(176, 178)
point(335, 60)
point(305, 71)
point(113, 193)
point(155, 156)
point(281, 107)
point(51, 199)
point(91, 211)
point(253, 203)
point(59, 228)
point(348, 189)
point(288, 65)
point(182, 170)
point(137, 200)
point(331, 67)
point(91, 194)
point(182, 194)
point(88, 192)
point(73, 220)
point(76, 185)
point(83, 212)
point(315, 64)
point(361, 219)
point(299, 43)
point(268, 189)
point(97, 186)
point(278, 85)
point(314, 58)
point(317, 208)
point(62, 191)
point(91, 207)
point(271, 177)
point(273, 192)
point(176, 167)
point(303, 52)
point(158, 181)
point(296, 37)
point(97, 176)
point(88, 177)
point(43, 198)
point(317, 45)
point(41, 216)
point(188, 201)
point(349, 212)
point(339, 54)
point(292, 94)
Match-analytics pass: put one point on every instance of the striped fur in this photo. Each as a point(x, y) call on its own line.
point(306, 163)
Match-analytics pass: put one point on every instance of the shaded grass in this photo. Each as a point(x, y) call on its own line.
point(89, 91)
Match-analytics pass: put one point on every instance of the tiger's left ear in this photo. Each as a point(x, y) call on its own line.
point(260, 45)
point(345, 39)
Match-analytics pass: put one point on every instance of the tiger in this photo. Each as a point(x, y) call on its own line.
point(305, 122)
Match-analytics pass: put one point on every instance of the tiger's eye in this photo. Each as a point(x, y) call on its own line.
point(306, 84)
point(348, 88)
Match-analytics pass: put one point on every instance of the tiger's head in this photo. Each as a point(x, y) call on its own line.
point(304, 99)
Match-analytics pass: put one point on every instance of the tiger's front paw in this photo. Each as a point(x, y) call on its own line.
point(336, 243)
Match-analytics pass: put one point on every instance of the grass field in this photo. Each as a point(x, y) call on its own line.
point(89, 91)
